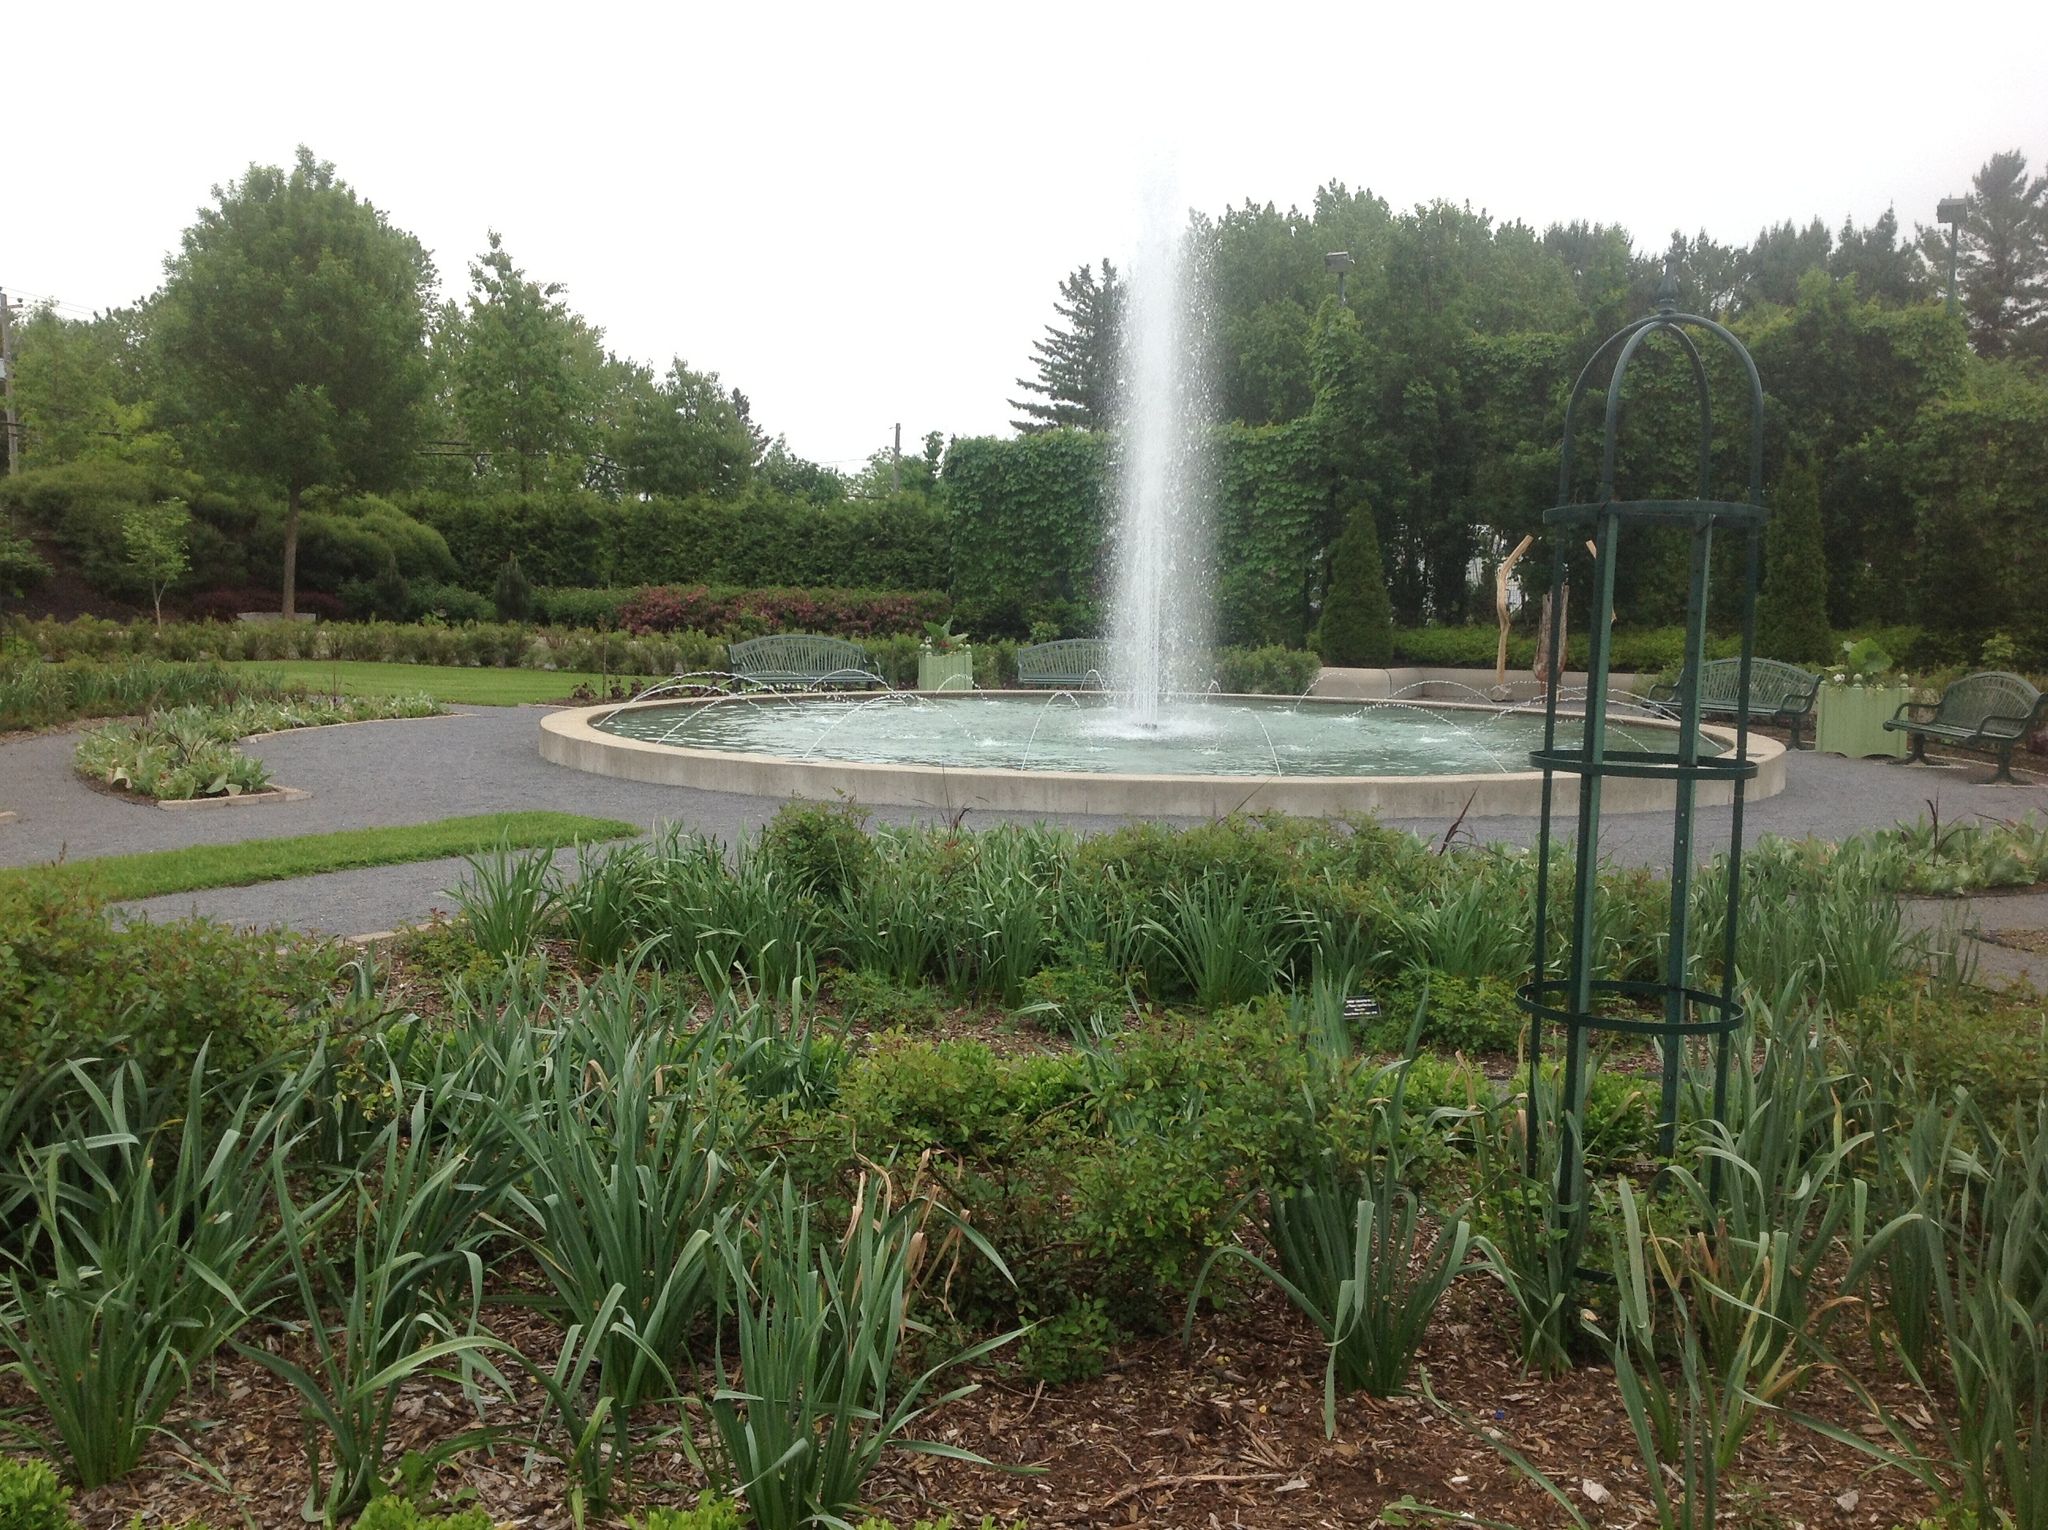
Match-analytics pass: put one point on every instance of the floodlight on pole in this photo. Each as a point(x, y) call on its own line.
point(1952, 211)
point(1339, 261)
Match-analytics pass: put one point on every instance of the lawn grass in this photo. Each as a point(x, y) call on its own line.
point(150, 875)
point(443, 682)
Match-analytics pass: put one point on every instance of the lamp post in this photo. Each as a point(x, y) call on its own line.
point(1339, 261)
point(1952, 211)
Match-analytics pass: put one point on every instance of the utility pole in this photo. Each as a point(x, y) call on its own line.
point(896, 462)
point(7, 383)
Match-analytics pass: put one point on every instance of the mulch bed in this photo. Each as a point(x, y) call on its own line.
point(1230, 1434)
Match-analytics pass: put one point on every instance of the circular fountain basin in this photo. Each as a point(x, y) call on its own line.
point(1034, 753)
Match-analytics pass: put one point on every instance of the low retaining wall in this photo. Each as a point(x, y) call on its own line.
point(568, 738)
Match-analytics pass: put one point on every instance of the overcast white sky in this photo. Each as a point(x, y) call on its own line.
point(859, 213)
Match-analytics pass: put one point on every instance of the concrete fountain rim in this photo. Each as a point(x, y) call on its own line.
point(568, 738)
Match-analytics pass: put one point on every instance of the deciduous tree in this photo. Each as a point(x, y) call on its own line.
point(157, 533)
point(292, 328)
point(526, 370)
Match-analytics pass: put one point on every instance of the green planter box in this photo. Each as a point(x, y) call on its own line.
point(946, 671)
point(1850, 719)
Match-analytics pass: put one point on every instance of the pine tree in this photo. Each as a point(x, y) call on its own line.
point(1792, 612)
point(1077, 364)
point(1358, 617)
point(2003, 258)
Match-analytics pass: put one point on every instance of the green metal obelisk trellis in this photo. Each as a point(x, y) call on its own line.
point(1576, 1000)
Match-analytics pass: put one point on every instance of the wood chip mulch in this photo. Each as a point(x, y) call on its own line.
point(1230, 1434)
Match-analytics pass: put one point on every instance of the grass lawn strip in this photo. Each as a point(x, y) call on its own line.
point(157, 872)
point(444, 682)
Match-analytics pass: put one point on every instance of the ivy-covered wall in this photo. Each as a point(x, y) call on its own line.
point(1031, 533)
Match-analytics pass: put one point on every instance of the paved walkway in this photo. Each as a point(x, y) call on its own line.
point(486, 759)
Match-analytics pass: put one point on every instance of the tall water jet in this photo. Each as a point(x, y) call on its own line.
point(1161, 612)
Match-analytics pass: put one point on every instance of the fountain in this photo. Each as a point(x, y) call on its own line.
point(1164, 592)
point(1157, 740)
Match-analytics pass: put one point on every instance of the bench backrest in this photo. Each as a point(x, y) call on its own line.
point(799, 653)
point(1773, 685)
point(1067, 658)
point(1973, 701)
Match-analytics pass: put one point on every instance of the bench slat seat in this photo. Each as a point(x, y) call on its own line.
point(1991, 711)
point(802, 661)
point(1068, 664)
point(1779, 693)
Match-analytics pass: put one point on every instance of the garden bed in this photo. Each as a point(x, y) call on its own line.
point(784, 1090)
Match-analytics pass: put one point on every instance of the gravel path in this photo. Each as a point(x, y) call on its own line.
point(486, 759)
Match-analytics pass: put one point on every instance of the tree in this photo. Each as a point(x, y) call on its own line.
point(1358, 618)
point(1792, 612)
point(1770, 268)
point(684, 435)
point(2004, 258)
point(525, 368)
point(80, 390)
point(156, 533)
point(799, 477)
point(1887, 269)
point(292, 329)
point(1077, 365)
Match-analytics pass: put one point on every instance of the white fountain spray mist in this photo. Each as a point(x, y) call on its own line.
point(1162, 611)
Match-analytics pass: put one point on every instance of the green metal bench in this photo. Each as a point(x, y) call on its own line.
point(1779, 693)
point(1070, 664)
point(1992, 711)
point(802, 661)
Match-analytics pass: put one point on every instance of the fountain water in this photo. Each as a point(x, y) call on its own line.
point(1163, 598)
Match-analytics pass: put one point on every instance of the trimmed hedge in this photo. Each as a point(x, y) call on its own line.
point(1647, 651)
point(578, 539)
point(744, 613)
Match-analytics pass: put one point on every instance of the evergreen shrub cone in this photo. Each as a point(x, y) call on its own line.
point(1357, 628)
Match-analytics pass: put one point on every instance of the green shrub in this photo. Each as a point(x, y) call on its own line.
point(952, 1094)
point(1071, 1344)
point(822, 848)
point(1464, 1014)
point(1078, 993)
point(392, 1513)
point(878, 1000)
point(21, 567)
point(31, 1498)
point(73, 985)
point(712, 1512)
point(1268, 671)
point(1993, 1044)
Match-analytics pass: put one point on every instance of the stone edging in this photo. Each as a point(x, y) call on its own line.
point(244, 799)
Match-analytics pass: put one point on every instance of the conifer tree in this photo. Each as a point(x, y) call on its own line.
point(1358, 616)
point(1077, 364)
